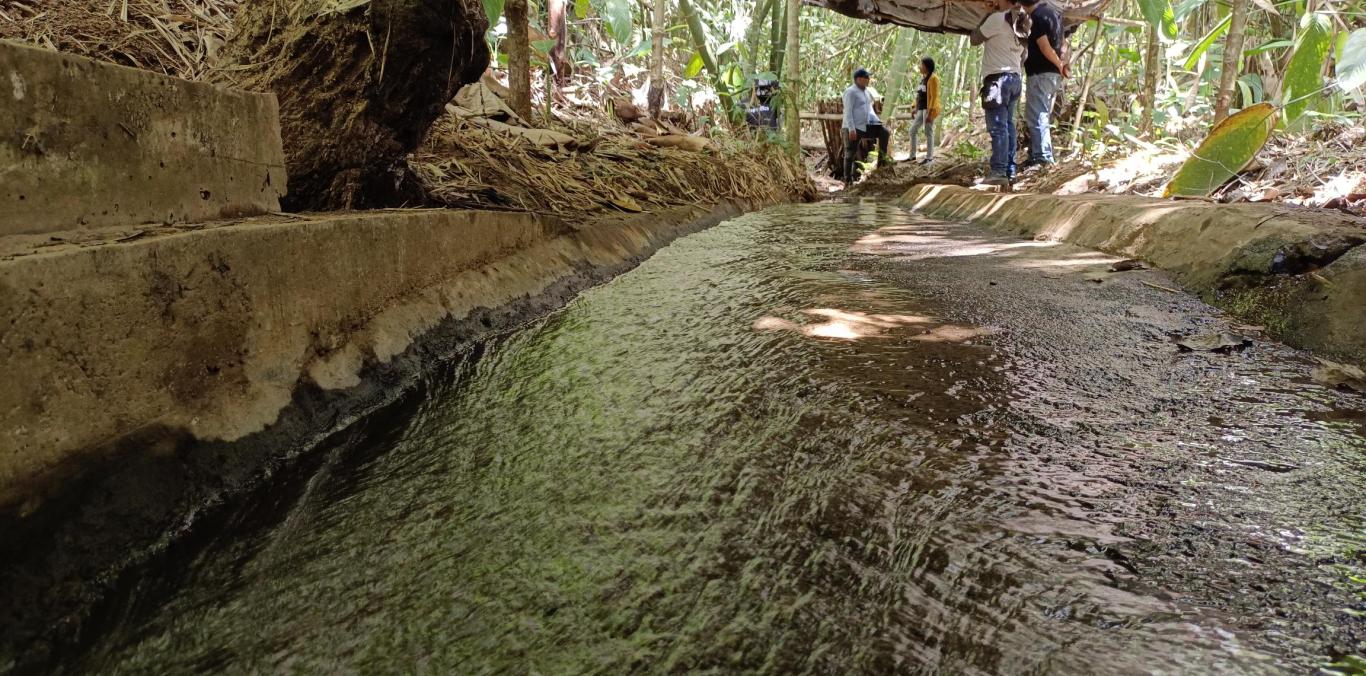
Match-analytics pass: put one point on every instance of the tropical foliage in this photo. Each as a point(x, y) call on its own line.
point(1150, 72)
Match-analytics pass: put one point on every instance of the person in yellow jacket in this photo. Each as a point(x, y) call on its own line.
point(926, 110)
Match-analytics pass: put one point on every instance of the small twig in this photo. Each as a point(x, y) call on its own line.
point(1168, 289)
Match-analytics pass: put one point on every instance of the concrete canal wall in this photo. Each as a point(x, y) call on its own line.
point(1299, 272)
point(85, 144)
point(205, 335)
point(159, 359)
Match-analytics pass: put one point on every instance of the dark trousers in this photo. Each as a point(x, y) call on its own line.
point(1001, 123)
point(851, 148)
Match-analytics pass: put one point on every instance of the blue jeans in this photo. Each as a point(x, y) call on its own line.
point(1001, 126)
point(1043, 91)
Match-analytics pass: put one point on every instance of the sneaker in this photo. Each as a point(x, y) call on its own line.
point(926, 161)
point(995, 179)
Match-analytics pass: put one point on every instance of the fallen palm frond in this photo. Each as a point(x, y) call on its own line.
point(468, 165)
point(175, 37)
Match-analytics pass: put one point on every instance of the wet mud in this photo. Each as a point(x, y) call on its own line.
point(835, 438)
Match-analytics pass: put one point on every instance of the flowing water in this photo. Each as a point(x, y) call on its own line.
point(827, 438)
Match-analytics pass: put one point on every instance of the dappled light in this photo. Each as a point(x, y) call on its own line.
point(841, 324)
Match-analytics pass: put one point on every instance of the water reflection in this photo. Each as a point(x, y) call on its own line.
point(777, 447)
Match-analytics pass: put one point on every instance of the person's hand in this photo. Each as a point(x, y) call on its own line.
point(1067, 70)
point(853, 134)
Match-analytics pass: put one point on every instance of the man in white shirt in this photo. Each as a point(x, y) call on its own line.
point(861, 122)
point(1002, 34)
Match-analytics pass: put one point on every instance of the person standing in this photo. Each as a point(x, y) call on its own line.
point(926, 110)
point(1045, 66)
point(1002, 34)
point(861, 122)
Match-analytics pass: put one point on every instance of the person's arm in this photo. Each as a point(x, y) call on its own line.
point(975, 37)
point(932, 98)
point(848, 123)
point(1046, 48)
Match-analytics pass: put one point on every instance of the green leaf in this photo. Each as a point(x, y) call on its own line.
point(494, 10)
point(694, 66)
point(642, 48)
point(734, 77)
point(1227, 149)
point(1205, 43)
point(1159, 13)
point(1253, 89)
point(542, 46)
point(618, 14)
point(1185, 7)
point(1274, 44)
point(1102, 112)
point(1304, 75)
point(1351, 65)
point(581, 8)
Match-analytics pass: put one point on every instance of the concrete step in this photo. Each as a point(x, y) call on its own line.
point(86, 144)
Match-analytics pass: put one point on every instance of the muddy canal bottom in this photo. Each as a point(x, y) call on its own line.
point(824, 438)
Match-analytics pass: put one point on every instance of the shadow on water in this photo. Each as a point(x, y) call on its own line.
point(797, 442)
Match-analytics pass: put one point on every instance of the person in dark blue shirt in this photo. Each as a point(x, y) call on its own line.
point(1045, 67)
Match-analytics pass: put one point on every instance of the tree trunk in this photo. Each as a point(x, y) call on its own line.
point(1151, 64)
point(557, 22)
point(519, 57)
point(1096, 48)
point(792, 80)
point(901, 67)
point(699, 40)
point(762, 11)
point(358, 89)
point(1233, 57)
point(657, 28)
point(777, 38)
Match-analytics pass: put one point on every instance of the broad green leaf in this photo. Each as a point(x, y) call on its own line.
point(1228, 148)
point(542, 46)
point(1185, 7)
point(1304, 75)
point(1274, 44)
point(1205, 43)
point(581, 8)
point(734, 77)
point(1351, 65)
point(618, 14)
point(694, 66)
point(1159, 13)
point(1102, 112)
point(494, 10)
point(1253, 90)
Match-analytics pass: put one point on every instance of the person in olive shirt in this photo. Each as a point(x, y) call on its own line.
point(1045, 67)
point(926, 109)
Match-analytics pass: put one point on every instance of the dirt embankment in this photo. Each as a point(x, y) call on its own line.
point(1324, 168)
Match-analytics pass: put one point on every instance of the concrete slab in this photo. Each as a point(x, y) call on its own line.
point(85, 144)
